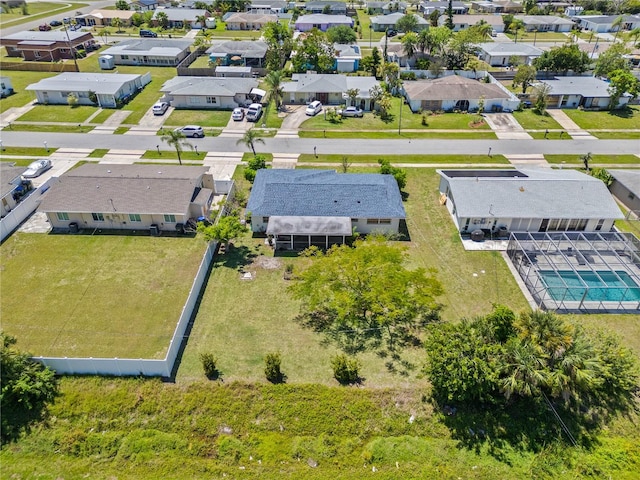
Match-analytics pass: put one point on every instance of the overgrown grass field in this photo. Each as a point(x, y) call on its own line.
point(95, 295)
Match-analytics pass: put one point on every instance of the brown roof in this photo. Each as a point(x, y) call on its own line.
point(452, 87)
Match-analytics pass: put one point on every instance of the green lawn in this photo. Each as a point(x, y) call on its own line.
point(368, 33)
point(615, 119)
point(532, 121)
point(28, 151)
point(550, 136)
point(417, 158)
point(49, 128)
point(37, 10)
point(99, 153)
point(391, 134)
point(529, 37)
point(58, 113)
point(205, 118)
point(103, 116)
point(83, 295)
point(626, 159)
point(616, 135)
point(20, 80)
point(187, 154)
point(271, 116)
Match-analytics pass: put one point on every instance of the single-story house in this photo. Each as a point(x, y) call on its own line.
point(626, 188)
point(527, 200)
point(269, 6)
point(573, 10)
point(48, 46)
point(586, 92)
point(381, 23)
point(6, 88)
point(462, 22)
point(329, 89)
point(248, 53)
point(385, 8)
point(12, 186)
point(455, 92)
point(105, 18)
point(181, 17)
point(146, 5)
point(12, 3)
point(248, 21)
point(545, 23)
point(128, 197)
point(347, 57)
point(330, 8)
point(427, 8)
point(500, 54)
point(322, 207)
point(156, 52)
point(321, 21)
point(497, 7)
point(110, 89)
point(210, 92)
point(604, 23)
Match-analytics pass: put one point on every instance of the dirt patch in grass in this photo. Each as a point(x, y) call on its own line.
point(266, 263)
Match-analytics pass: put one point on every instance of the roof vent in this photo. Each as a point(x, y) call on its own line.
point(521, 188)
point(108, 171)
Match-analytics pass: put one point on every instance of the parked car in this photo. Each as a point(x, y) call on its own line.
point(45, 27)
point(351, 112)
point(313, 108)
point(194, 131)
point(37, 168)
point(160, 107)
point(392, 33)
point(253, 112)
point(75, 26)
point(66, 19)
point(494, 33)
point(237, 115)
point(148, 33)
point(55, 23)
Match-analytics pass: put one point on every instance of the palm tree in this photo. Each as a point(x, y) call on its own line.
point(525, 374)
point(410, 43)
point(484, 29)
point(586, 159)
point(176, 139)
point(352, 94)
point(117, 22)
point(250, 138)
point(516, 26)
point(547, 333)
point(617, 24)
point(274, 83)
point(634, 34)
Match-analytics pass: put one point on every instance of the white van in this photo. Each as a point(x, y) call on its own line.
point(253, 112)
point(313, 108)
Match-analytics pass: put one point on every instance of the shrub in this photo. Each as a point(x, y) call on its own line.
point(209, 365)
point(424, 120)
point(249, 174)
point(272, 367)
point(345, 369)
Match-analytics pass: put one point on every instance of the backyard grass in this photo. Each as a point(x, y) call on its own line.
point(20, 80)
point(367, 32)
point(532, 121)
point(595, 159)
point(205, 118)
point(58, 113)
point(627, 118)
point(95, 295)
point(397, 159)
point(471, 135)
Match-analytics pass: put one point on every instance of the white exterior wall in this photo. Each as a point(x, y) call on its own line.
point(200, 102)
point(7, 88)
point(10, 203)
point(517, 224)
point(115, 221)
point(503, 60)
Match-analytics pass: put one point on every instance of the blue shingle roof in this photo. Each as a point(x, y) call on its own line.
point(323, 193)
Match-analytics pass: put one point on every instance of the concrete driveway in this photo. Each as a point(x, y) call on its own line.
point(505, 126)
point(294, 116)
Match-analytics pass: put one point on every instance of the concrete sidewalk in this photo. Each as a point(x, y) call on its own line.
point(569, 125)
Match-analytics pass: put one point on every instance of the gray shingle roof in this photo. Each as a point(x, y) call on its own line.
point(240, 17)
point(329, 83)
point(325, 193)
point(509, 48)
point(544, 193)
point(322, 18)
point(149, 46)
point(452, 87)
point(393, 18)
point(143, 189)
point(244, 48)
point(543, 20)
point(224, 87)
point(628, 178)
point(101, 83)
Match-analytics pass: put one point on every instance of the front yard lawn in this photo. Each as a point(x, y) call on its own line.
point(58, 113)
point(627, 118)
point(532, 121)
point(205, 118)
point(616, 135)
point(95, 295)
point(20, 80)
point(395, 159)
point(595, 159)
point(470, 135)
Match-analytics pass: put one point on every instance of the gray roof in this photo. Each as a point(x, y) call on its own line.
point(543, 193)
point(244, 48)
point(8, 173)
point(509, 48)
point(180, 14)
point(323, 18)
point(240, 17)
point(325, 193)
point(307, 225)
point(50, 36)
point(392, 19)
point(143, 189)
point(101, 83)
point(607, 19)
point(474, 19)
point(149, 46)
point(628, 178)
point(543, 20)
point(585, 86)
point(223, 87)
point(329, 83)
point(452, 87)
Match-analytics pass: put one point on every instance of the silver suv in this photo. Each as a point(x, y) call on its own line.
point(194, 131)
point(253, 112)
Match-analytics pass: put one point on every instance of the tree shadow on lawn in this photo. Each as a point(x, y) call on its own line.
point(235, 257)
point(626, 112)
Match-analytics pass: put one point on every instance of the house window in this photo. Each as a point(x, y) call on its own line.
point(385, 221)
point(631, 196)
point(354, 220)
point(211, 100)
point(36, 54)
point(170, 218)
point(62, 215)
point(98, 217)
point(265, 219)
point(134, 217)
point(600, 224)
point(124, 57)
point(64, 50)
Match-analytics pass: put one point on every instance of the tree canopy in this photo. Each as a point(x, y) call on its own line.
point(621, 82)
point(314, 52)
point(223, 231)
point(341, 34)
point(563, 59)
point(612, 59)
point(525, 76)
point(407, 23)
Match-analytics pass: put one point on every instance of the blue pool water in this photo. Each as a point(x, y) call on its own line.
point(607, 288)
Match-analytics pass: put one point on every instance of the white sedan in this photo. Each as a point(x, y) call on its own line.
point(37, 168)
point(351, 112)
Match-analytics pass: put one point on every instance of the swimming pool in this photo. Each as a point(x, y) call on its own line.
point(602, 286)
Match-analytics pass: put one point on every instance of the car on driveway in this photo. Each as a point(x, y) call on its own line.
point(253, 112)
point(313, 108)
point(159, 108)
point(391, 33)
point(237, 115)
point(194, 131)
point(351, 112)
point(55, 23)
point(37, 168)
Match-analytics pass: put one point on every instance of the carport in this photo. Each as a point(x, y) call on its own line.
point(298, 233)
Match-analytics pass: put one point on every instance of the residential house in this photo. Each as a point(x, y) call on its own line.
point(233, 53)
point(238, 72)
point(182, 17)
point(6, 88)
point(146, 5)
point(272, 7)
point(329, 89)
point(156, 52)
point(248, 21)
point(626, 188)
point(322, 22)
point(385, 8)
point(585, 92)
point(210, 92)
point(497, 7)
point(347, 57)
point(501, 54)
point(456, 92)
point(457, 7)
point(527, 200)
point(604, 23)
point(109, 90)
point(48, 46)
point(381, 23)
point(329, 8)
point(573, 10)
point(128, 197)
point(105, 18)
point(12, 187)
point(462, 22)
point(545, 23)
point(299, 208)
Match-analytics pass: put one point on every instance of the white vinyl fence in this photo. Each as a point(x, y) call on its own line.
point(21, 212)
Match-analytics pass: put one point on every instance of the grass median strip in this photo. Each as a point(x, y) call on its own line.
point(395, 159)
point(595, 159)
point(30, 127)
point(471, 135)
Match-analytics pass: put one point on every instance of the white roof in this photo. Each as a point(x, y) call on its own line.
point(510, 48)
point(585, 86)
point(101, 83)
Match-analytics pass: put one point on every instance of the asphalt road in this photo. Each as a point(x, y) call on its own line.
point(331, 146)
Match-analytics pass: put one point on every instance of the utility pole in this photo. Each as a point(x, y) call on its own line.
point(73, 52)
